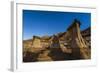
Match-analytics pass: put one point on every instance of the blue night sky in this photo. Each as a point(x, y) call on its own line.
point(41, 23)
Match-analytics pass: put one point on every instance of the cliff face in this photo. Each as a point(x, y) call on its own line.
point(66, 45)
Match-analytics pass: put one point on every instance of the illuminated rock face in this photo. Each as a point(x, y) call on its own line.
point(78, 43)
point(36, 42)
point(73, 43)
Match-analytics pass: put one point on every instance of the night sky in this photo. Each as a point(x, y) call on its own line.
point(41, 23)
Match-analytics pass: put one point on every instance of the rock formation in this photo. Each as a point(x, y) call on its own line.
point(36, 42)
point(77, 43)
point(73, 44)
